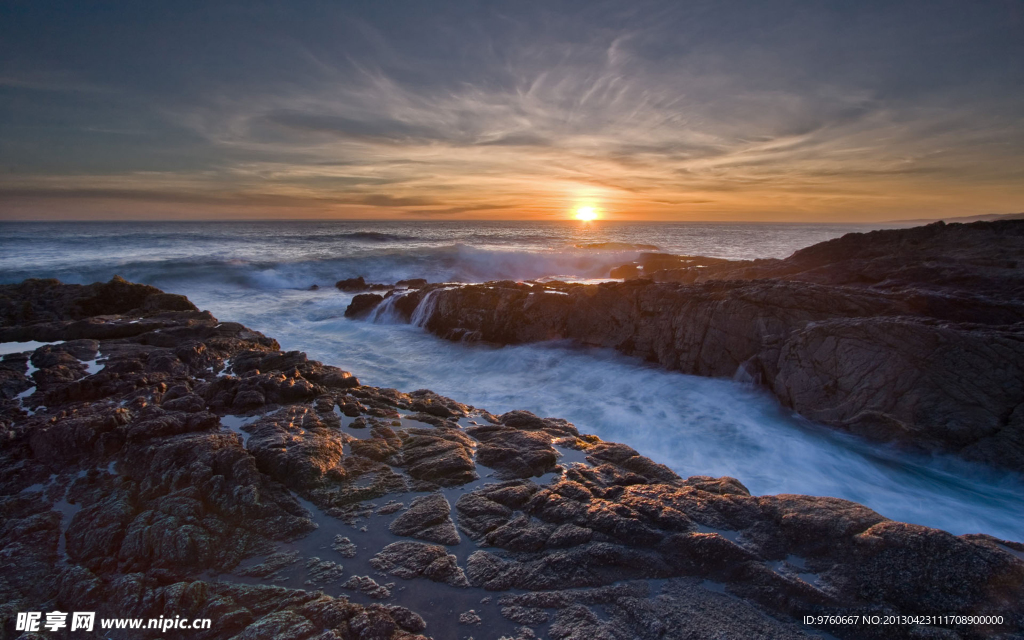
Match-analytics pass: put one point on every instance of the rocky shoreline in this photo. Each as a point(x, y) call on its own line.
point(914, 335)
point(157, 461)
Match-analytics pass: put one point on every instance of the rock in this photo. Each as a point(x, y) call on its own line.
point(525, 615)
point(344, 546)
point(631, 463)
point(426, 401)
point(358, 284)
point(271, 567)
point(722, 486)
point(412, 283)
point(127, 487)
point(651, 262)
point(514, 453)
point(410, 560)
point(369, 586)
point(812, 328)
point(683, 609)
point(428, 518)
point(520, 534)
point(362, 304)
point(295, 447)
point(444, 456)
point(247, 611)
point(523, 633)
point(479, 515)
point(322, 572)
point(38, 302)
point(569, 535)
point(393, 506)
point(189, 403)
point(496, 313)
point(373, 624)
point(625, 272)
point(351, 284)
point(406, 619)
point(865, 376)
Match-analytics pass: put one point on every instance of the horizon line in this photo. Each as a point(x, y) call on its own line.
point(972, 217)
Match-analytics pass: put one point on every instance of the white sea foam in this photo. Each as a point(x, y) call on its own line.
point(385, 311)
point(424, 309)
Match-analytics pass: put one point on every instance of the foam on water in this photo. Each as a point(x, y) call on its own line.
point(385, 312)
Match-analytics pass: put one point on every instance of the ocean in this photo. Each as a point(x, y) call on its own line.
point(260, 274)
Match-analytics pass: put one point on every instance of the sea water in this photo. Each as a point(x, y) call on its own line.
point(260, 274)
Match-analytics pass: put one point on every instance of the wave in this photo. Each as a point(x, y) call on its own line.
point(368, 236)
point(298, 270)
point(619, 246)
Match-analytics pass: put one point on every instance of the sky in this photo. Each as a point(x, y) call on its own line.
point(769, 110)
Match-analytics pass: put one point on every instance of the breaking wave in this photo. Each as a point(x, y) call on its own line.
point(454, 263)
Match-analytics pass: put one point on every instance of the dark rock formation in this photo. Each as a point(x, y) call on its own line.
point(34, 302)
point(410, 560)
point(625, 272)
point(443, 455)
point(428, 518)
point(412, 283)
point(369, 586)
point(520, 446)
point(154, 491)
point(162, 463)
point(359, 284)
point(913, 335)
point(983, 258)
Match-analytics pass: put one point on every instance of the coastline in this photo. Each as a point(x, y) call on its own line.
point(914, 336)
point(170, 489)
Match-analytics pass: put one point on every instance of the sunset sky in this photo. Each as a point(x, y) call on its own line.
point(675, 110)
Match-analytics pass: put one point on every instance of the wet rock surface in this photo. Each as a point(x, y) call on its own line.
point(359, 284)
point(362, 304)
point(158, 462)
point(427, 518)
point(914, 335)
point(414, 559)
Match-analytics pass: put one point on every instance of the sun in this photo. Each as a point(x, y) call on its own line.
point(586, 214)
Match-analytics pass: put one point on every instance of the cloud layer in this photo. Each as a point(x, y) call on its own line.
point(663, 110)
